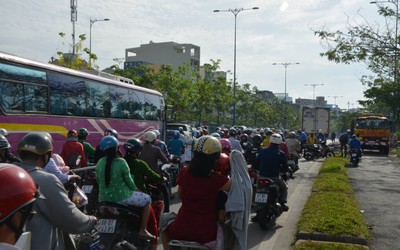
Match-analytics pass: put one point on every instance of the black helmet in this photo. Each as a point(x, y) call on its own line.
point(232, 132)
point(133, 145)
point(257, 139)
point(36, 142)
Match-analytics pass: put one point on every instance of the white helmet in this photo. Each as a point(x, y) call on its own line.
point(149, 136)
point(216, 135)
point(3, 132)
point(157, 132)
point(320, 130)
point(275, 139)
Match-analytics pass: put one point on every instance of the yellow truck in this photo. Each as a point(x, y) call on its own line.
point(373, 130)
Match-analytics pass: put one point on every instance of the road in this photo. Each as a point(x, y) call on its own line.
point(376, 185)
point(282, 236)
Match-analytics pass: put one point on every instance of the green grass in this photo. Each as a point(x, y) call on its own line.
point(312, 245)
point(332, 207)
point(397, 152)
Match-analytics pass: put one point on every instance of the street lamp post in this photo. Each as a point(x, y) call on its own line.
point(285, 64)
point(235, 12)
point(314, 85)
point(334, 97)
point(396, 3)
point(92, 21)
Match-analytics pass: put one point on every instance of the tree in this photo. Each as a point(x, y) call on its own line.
point(378, 49)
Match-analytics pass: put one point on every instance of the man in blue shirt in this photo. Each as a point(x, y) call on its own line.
point(355, 143)
point(271, 162)
point(176, 146)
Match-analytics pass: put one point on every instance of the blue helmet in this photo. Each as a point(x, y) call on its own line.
point(108, 142)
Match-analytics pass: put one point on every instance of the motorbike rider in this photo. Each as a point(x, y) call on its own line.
point(57, 213)
point(302, 137)
point(160, 143)
point(72, 151)
point(116, 183)
point(18, 192)
point(152, 155)
point(176, 145)
point(232, 138)
point(244, 142)
point(89, 150)
point(5, 155)
point(355, 143)
point(3, 132)
point(252, 151)
point(283, 146)
point(271, 162)
point(294, 146)
point(196, 219)
point(265, 142)
point(226, 146)
point(320, 136)
point(98, 154)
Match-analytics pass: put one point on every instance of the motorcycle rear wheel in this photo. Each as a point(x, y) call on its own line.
point(330, 154)
point(264, 218)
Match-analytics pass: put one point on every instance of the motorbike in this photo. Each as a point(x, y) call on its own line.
point(175, 169)
point(118, 227)
point(315, 152)
point(292, 166)
point(354, 157)
point(185, 245)
point(266, 199)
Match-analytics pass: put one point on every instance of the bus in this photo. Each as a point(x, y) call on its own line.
point(373, 130)
point(43, 97)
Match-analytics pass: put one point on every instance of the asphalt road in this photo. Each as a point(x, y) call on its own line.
point(376, 185)
point(282, 236)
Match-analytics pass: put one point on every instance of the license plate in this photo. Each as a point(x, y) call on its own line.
point(106, 226)
point(252, 179)
point(261, 198)
point(87, 188)
point(371, 143)
point(353, 155)
point(290, 162)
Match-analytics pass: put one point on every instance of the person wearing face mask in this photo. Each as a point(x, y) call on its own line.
point(18, 192)
point(56, 216)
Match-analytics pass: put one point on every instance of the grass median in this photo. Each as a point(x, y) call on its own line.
point(331, 211)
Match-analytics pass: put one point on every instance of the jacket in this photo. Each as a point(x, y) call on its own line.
point(55, 213)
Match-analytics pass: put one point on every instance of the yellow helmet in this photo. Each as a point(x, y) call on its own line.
point(207, 145)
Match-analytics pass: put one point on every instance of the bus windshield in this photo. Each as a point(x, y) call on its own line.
point(372, 124)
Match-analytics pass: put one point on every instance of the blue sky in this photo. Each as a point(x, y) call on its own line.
point(278, 32)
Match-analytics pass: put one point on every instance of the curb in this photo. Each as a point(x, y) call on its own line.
point(299, 242)
point(331, 238)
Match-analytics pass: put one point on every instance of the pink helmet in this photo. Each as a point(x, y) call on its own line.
point(226, 144)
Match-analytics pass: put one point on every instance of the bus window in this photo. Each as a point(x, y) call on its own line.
point(119, 103)
point(98, 101)
point(12, 98)
point(35, 98)
point(137, 105)
point(152, 107)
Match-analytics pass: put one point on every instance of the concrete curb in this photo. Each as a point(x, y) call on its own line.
point(299, 242)
point(331, 238)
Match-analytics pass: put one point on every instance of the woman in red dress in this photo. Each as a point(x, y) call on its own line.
point(198, 187)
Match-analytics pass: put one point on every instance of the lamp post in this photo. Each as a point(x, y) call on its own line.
point(314, 85)
point(396, 3)
point(285, 64)
point(235, 12)
point(92, 21)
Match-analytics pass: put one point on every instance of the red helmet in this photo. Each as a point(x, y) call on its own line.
point(17, 190)
point(223, 164)
point(226, 144)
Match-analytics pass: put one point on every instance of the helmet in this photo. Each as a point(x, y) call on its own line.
point(292, 135)
point(232, 132)
point(111, 132)
point(150, 136)
point(177, 135)
point(3, 132)
point(180, 129)
point(108, 142)
point(216, 135)
point(268, 132)
point(133, 145)
point(82, 132)
point(4, 142)
point(226, 144)
point(275, 139)
point(320, 130)
point(354, 136)
point(244, 137)
point(257, 139)
point(72, 133)
point(348, 131)
point(157, 132)
point(36, 142)
point(18, 190)
point(207, 145)
point(223, 164)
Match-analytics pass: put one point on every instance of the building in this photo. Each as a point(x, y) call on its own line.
point(165, 53)
point(266, 95)
point(281, 96)
point(318, 102)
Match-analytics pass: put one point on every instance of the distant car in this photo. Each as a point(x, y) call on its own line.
point(187, 129)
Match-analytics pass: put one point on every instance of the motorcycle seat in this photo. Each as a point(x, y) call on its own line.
point(119, 206)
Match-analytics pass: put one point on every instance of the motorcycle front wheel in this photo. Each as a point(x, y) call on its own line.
point(330, 154)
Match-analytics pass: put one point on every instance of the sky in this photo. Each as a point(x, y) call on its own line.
point(278, 32)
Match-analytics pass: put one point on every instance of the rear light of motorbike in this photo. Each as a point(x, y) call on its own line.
point(262, 182)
